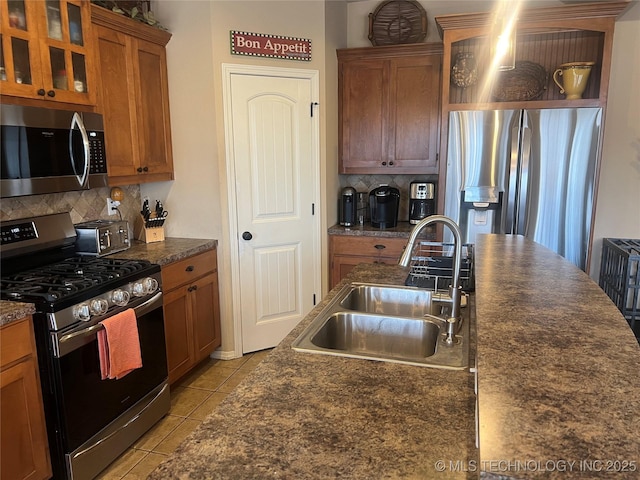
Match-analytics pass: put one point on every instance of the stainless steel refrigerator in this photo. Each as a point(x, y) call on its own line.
point(528, 172)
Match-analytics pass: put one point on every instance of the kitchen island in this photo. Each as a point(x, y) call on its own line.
point(558, 368)
point(558, 381)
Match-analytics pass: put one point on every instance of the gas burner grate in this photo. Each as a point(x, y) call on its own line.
point(67, 277)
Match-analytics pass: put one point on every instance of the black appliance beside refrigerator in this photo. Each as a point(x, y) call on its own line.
point(528, 172)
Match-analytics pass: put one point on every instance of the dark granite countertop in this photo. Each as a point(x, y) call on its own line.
point(558, 368)
point(168, 251)
point(12, 311)
point(401, 230)
point(558, 383)
point(300, 415)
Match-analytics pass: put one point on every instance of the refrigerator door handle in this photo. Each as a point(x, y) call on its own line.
point(523, 188)
point(512, 188)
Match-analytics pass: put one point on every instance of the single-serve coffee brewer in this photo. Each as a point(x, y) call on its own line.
point(384, 202)
point(422, 201)
point(348, 207)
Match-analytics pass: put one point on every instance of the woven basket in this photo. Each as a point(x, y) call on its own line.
point(525, 82)
point(397, 21)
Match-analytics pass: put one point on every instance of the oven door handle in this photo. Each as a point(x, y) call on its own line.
point(140, 310)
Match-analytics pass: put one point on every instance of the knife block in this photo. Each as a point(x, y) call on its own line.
point(148, 235)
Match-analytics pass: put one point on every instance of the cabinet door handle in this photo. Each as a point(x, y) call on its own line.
point(192, 288)
point(139, 169)
point(390, 163)
point(380, 247)
point(41, 92)
point(190, 268)
point(384, 164)
point(51, 93)
point(145, 169)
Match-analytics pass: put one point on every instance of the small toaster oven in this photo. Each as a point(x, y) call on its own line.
point(102, 237)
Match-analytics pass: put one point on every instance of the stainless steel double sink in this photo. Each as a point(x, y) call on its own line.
point(386, 323)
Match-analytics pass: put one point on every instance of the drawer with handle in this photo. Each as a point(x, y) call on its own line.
point(367, 246)
point(189, 269)
point(15, 341)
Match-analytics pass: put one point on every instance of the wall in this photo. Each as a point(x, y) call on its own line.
point(335, 38)
point(358, 28)
point(198, 197)
point(618, 208)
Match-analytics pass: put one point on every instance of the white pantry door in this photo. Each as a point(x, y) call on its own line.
point(275, 157)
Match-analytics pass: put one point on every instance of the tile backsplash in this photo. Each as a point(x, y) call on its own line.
point(84, 205)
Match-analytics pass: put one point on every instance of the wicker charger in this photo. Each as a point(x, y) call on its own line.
point(397, 21)
point(525, 82)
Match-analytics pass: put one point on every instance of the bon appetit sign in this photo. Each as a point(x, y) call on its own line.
point(273, 46)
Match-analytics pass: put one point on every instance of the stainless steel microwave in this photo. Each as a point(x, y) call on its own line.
point(48, 151)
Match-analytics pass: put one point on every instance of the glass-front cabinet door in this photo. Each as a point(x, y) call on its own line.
point(45, 51)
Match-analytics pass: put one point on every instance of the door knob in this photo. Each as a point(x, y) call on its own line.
point(247, 235)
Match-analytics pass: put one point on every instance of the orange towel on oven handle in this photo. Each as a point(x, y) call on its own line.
point(119, 345)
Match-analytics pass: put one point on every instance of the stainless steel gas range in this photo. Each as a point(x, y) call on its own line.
point(90, 421)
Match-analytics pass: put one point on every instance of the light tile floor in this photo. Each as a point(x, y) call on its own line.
point(192, 399)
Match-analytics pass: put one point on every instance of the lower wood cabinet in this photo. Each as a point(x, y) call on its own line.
point(191, 311)
point(23, 435)
point(347, 251)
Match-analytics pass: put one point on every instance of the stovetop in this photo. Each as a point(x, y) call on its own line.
point(73, 276)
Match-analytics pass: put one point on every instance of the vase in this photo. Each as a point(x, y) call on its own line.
point(574, 78)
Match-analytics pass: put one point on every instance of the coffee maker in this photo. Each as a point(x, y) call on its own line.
point(384, 202)
point(348, 207)
point(422, 201)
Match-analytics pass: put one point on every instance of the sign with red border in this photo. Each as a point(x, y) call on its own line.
point(272, 46)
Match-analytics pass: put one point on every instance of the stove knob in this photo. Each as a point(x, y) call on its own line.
point(151, 284)
point(99, 306)
point(145, 286)
point(82, 312)
point(120, 297)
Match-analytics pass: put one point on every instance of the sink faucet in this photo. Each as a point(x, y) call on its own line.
point(454, 289)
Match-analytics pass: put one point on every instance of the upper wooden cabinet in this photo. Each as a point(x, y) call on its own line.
point(547, 37)
point(134, 98)
point(46, 51)
point(389, 109)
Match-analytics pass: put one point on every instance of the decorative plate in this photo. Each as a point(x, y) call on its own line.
point(525, 82)
point(464, 72)
point(397, 21)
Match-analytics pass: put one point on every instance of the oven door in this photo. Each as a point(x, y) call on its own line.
point(86, 403)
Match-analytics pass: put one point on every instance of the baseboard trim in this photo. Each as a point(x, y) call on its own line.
point(224, 354)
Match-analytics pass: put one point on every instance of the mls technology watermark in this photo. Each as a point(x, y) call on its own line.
point(531, 465)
